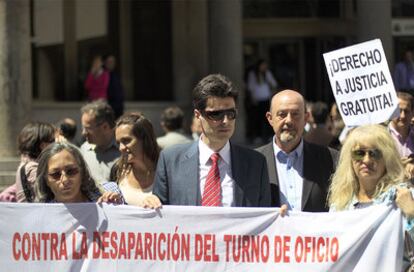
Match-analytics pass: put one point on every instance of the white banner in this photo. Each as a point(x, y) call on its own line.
point(362, 84)
point(89, 237)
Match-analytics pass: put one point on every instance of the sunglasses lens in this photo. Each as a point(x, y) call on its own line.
point(219, 115)
point(375, 154)
point(215, 115)
point(359, 154)
point(231, 114)
point(55, 175)
point(69, 172)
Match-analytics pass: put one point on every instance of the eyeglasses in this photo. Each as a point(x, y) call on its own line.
point(359, 154)
point(218, 115)
point(93, 127)
point(69, 172)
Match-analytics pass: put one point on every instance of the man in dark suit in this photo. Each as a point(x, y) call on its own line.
point(299, 172)
point(212, 171)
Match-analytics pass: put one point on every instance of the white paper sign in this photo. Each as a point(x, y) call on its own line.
point(90, 237)
point(361, 83)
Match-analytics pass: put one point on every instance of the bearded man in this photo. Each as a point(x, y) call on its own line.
point(299, 172)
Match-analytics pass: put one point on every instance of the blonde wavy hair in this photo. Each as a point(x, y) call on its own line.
point(345, 183)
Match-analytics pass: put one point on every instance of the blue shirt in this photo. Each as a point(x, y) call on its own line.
point(290, 173)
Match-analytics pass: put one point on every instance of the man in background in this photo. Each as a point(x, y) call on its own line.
point(402, 132)
point(299, 172)
point(100, 149)
point(172, 120)
point(320, 134)
point(115, 89)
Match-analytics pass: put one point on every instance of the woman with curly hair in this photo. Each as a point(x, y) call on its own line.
point(370, 172)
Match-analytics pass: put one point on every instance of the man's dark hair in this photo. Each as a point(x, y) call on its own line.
point(320, 112)
point(406, 97)
point(101, 111)
point(213, 85)
point(67, 128)
point(172, 118)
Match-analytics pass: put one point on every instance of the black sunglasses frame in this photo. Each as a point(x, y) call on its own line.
point(69, 172)
point(218, 115)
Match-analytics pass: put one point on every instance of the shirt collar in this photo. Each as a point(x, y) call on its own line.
point(206, 152)
point(393, 130)
point(396, 133)
point(112, 144)
point(297, 152)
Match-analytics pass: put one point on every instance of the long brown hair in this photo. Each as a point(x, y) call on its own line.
point(144, 131)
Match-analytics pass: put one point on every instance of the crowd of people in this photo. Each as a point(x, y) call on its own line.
point(123, 162)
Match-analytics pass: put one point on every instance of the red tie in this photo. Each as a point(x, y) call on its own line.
point(212, 188)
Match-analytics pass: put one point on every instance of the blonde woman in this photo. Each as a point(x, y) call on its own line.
point(370, 172)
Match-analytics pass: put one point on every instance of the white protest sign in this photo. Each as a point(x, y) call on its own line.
point(361, 83)
point(90, 237)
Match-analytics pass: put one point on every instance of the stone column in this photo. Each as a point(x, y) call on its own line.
point(70, 48)
point(190, 47)
point(125, 45)
point(374, 21)
point(225, 55)
point(15, 72)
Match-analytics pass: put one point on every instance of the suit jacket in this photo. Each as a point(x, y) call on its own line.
point(319, 163)
point(177, 179)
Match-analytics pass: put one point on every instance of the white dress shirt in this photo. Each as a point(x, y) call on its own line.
point(226, 179)
point(290, 173)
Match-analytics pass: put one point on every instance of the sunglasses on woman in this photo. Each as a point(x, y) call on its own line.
point(218, 115)
point(69, 172)
point(359, 154)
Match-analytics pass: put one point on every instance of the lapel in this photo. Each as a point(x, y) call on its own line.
point(239, 168)
point(190, 166)
point(307, 170)
point(269, 153)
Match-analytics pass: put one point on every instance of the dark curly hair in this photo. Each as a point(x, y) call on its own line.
point(32, 136)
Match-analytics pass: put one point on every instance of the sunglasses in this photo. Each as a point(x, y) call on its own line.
point(359, 154)
point(69, 172)
point(218, 115)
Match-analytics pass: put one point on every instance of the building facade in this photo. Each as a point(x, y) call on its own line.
point(164, 47)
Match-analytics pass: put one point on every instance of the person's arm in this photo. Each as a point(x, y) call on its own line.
point(9, 194)
point(405, 201)
point(111, 194)
point(111, 198)
point(160, 189)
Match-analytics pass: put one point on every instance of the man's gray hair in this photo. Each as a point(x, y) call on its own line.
point(101, 111)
